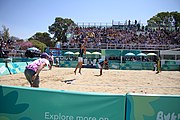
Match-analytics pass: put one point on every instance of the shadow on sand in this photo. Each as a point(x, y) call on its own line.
point(68, 81)
point(97, 75)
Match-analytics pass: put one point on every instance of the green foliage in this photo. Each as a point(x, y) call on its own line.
point(6, 34)
point(165, 19)
point(38, 45)
point(176, 17)
point(43, 37)
point(60, 27)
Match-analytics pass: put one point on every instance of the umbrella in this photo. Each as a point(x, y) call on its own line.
point(33, 48)
point(76, 53)
point(151, 54)
point(69, 53)
point(129, 54)
point(141, 54)
point(88, 53)
point(96, 53)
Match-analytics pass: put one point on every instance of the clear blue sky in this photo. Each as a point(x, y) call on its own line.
point(26, 17)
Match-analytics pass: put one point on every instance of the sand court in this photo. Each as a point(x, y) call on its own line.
point(112, 81)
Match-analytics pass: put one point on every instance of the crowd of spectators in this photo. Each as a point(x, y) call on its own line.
point(97, 37)
point(4, 47)
point(5, 44)
point(111, 36)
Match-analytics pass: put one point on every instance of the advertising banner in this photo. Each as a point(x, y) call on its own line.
point(152, 107)
point(22, 103)
point(3, 69)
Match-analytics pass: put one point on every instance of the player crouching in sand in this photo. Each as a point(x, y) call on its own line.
point(32, 70)
point(103, 64)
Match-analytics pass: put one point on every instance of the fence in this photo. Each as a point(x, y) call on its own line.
point(121, 46)
point(117, 60)
point(22, 103)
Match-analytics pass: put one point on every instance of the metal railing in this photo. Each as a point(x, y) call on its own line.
point(122, 46)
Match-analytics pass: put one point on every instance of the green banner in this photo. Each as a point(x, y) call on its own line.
point(20, 103)
point(68, 63)
point(152, 107)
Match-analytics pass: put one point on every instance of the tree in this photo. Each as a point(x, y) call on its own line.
point(155, 21)
point(5, 33)
point(38, 44)
point(43, 37)
point(176, 17)
point(59, 28)
point(165, 19)
point(25, 45)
